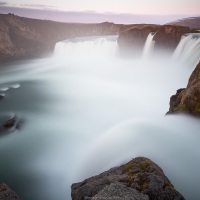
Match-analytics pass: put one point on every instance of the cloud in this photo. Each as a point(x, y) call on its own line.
point(40, 11)
point(37, 6)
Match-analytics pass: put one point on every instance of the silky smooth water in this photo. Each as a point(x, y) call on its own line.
point(86, 111)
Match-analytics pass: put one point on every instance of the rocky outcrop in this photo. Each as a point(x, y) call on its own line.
point(26, 38)
point(10, 125)
point(166, 37)
point(187, 100)
point(138, 179)
point(132, 41)
point(6, 193)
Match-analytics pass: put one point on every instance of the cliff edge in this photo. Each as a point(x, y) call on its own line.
point(22, 38)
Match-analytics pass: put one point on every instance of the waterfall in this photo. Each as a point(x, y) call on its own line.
point(188, 50)
point(83, 117)
point(149, 46)
point(87, 46)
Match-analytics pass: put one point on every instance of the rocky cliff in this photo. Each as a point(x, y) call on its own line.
point(6, 193)
point(166, 38)
point(139, 179)
point(26, 38)
point(187, 100)
point(131, 41)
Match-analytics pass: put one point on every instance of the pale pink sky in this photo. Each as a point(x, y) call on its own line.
point(118, 11)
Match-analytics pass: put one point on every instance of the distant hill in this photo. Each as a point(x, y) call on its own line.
point(193, 22)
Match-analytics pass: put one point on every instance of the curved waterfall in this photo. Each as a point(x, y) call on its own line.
point(95, 47)
point(188, 50)
point(149, 46)
point(85, 110)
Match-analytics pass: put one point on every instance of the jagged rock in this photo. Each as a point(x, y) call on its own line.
point(140, 174)
point(119, 191)
point(1, 96)
point(6, 193)
point(187, 100)
point(10, 125)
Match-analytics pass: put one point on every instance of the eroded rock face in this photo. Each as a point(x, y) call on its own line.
point(187, 100)
point(140, 177)
point(167, 37)
point(6, 193)
point(119, 191)
point(132, 41)
point(28, 38)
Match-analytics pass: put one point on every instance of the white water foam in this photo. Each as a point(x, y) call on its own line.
point(149, 46)
point(188, 50)
point(86, 113)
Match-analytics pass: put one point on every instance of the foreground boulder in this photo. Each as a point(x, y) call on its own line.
point(6, 193)
point(10, 125)
point(187, 100)
point(138, 179)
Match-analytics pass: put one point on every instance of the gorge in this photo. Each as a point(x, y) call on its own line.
point(87, 109)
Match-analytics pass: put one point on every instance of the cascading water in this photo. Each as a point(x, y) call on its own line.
point(188, 50)
point(84, 47)
point(85, 113)
point(149, 46)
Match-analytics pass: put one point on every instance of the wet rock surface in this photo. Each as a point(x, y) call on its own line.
point(10, 125)
point(7, 194)
point(140, 178)
point(187, 100)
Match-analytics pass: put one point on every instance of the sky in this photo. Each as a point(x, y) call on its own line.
point(118, 11)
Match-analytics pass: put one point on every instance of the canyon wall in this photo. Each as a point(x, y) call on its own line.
point(22, 38)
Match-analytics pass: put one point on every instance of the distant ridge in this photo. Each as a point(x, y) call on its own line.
point(192, 22)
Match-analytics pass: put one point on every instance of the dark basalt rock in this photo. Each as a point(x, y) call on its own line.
point(1, 96)
point(187, 100)
point(10, 125)
point(140, 178)
point(6, 193)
